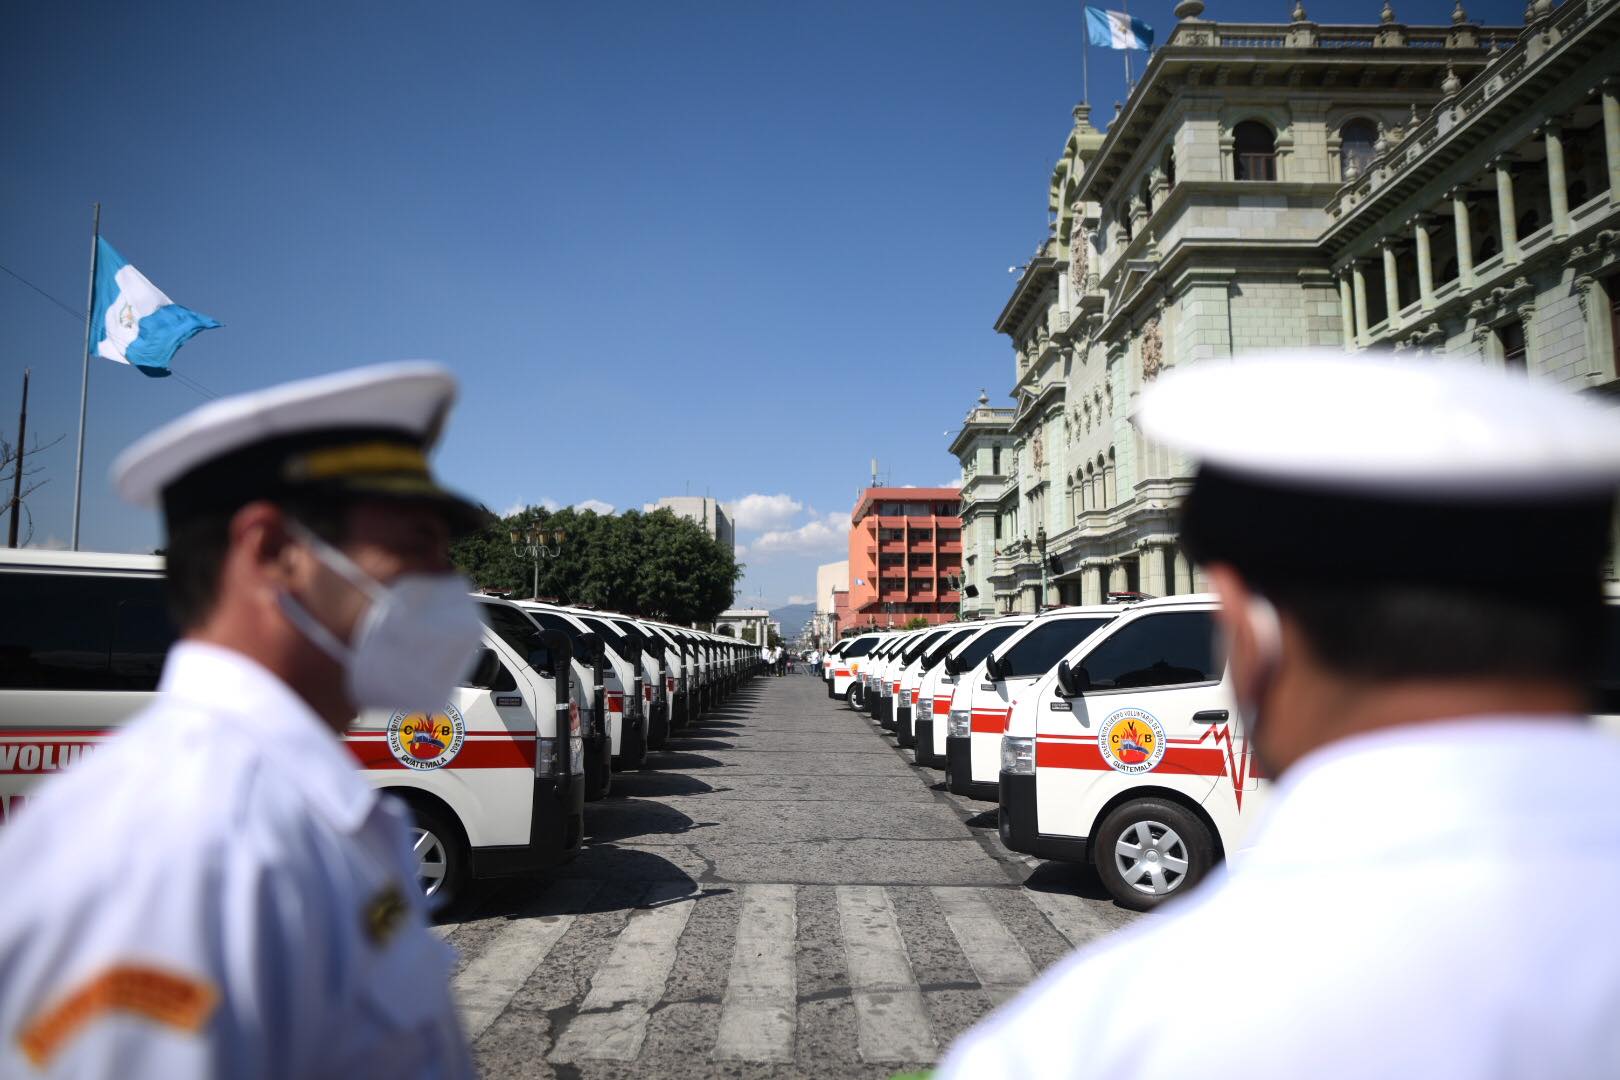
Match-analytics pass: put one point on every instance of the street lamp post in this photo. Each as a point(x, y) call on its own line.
point(1040, 542)
point(536, 543)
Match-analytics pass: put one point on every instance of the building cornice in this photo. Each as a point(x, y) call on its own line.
point(1038, 274)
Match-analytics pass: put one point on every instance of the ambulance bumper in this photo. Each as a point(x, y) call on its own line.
point(924, 750)
point(657, 725)
point(902, 726)
point(959, 766)
point(556, 828)
point(1018, 825)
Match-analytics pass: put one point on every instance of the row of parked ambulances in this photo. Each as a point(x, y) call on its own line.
point(556, 701)
point(1107, 735)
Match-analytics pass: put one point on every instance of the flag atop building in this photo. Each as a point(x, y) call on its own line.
point(133, 321)
point(1117, 30)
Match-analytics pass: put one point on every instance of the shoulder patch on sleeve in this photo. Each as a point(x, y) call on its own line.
point(163, 997)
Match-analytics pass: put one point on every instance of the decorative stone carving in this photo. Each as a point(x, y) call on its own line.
point(1452, 85)
point(1458, 15)
point(1079, 256)
point(1037, 450)
point(1152, 350)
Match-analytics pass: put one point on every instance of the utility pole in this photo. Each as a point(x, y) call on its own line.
point(16, 476)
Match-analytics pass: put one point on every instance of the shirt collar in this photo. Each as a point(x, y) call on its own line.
point(236, 690)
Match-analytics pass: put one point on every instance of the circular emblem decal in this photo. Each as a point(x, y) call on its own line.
point(426, 740)
point(1132, 741)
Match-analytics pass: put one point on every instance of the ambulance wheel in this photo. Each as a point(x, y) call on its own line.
point(441, 855)
point(849, 696)
point(1149, 850)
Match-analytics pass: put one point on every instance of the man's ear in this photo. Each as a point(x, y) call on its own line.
point(259, 537)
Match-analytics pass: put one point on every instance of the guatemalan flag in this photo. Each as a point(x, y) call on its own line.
point(133, 322)
point(1117, 30)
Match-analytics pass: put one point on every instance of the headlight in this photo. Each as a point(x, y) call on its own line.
point(887, 690)
point(923, 707)
point(959, 724)
point(1017, 755)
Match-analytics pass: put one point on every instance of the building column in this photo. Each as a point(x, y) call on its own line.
point(1117, 579)
point(1156, 570)
point(1425, 267)
point(1184, 574)
point(1392, 287)
point(1552, 137)
point(1347, 310)
point(1611, 136)
point(1507, 217)
point(1465, 239)
point(1091, 585)
point(1358, 278)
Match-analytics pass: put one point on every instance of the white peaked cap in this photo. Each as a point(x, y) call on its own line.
point(363, 431)
point(1372, 424)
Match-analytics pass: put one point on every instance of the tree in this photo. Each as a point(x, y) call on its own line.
point(8, 478)
point(775, 640)
point(656, 565)
point(916, 622)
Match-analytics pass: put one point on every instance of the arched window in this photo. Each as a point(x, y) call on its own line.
point(1255, 151)
point(1110, 483)
point(1356, 138)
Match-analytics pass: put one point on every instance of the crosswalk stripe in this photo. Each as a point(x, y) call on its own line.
point(1072, 916)
point(612, 1020)
point(487, 984)
point(999, 962)
point(890, 1019)
point(757, 1014)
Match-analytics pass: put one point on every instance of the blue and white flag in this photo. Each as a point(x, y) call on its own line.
point(133, 321)
point(1117, 30)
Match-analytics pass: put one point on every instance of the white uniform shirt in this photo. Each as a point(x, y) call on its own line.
point(1432, 901)
point(218, 892)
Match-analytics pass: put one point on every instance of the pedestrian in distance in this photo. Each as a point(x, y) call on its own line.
point(218, 892)
point(1408, 559)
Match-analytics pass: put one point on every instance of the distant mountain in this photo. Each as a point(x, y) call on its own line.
point(793, 618)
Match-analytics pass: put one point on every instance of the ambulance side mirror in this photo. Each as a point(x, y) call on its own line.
point(1071, 683)
point(590, 646)
point(560, 654)
point(992, 668)
point(952, 667)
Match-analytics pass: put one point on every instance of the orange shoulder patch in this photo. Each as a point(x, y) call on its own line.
point(163, 997)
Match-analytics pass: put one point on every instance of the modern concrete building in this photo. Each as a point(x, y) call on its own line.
point(1450, 190)
point(831, 579)
point(905, 555)
point(703, 510)
point(745, 624)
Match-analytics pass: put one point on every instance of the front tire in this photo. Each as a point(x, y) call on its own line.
point(443, 861)
point(1149, 850)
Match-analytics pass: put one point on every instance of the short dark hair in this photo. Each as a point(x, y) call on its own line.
point(195, 550)
point(1393, 632)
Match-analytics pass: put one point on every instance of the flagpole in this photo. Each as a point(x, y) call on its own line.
point(84, 385)
point(1085, 64)
point(1124, 5)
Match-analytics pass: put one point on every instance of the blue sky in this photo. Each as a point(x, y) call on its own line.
point(735, 248)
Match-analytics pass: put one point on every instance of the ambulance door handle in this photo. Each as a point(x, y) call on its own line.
point(1210, 716)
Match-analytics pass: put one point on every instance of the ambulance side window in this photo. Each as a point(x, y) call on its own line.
point(1039, 651)
point(82, 632)
point(1173, 649)
point(488, 673)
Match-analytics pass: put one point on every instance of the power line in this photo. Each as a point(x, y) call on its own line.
point(190, 384)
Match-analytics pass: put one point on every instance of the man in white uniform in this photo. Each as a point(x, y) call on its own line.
point(1408, 560)
point(217, 892)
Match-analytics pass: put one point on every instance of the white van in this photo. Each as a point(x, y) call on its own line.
point(829, 663)
point(589, 688)
point(625, 708)
point(979, 710)
point(848, 668)
point(875, 687)
point(908, 684)
point(1130, 755)
point(493, 780)
point(937, 688)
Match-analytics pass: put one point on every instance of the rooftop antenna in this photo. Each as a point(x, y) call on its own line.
point(874, 472)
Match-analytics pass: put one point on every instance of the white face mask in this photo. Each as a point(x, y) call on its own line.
point(411, 646)
point(1267, 630)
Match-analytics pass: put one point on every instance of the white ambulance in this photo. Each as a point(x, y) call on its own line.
point(493, 780)
point(848, 668)
point(829, 663)
point(875, 689)
point(909, 684)
point(624, 703)
point(1130, 755)
point(590, 667)
point(979, 709)
point(936, 687)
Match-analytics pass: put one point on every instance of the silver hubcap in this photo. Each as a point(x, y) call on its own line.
point(432, 862)
point(1151, 857)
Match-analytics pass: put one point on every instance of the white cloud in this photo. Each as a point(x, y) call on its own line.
point(595, 504)
point(799, 598)
point(761, 512)
point(524, 504)
point(50, 543)
point(819, 536)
